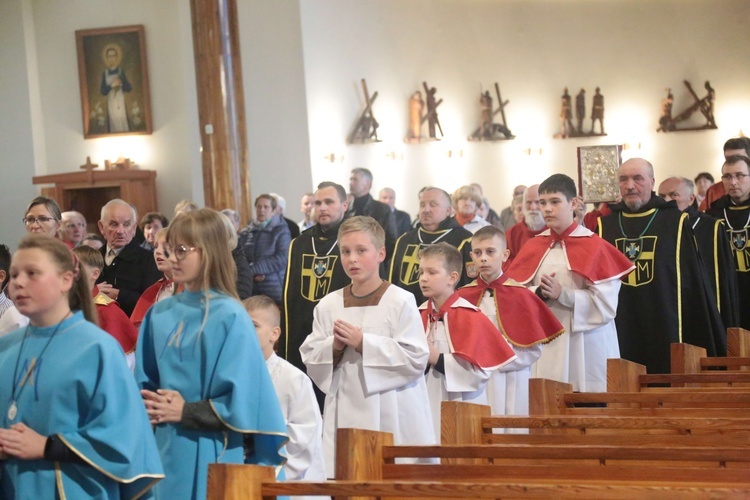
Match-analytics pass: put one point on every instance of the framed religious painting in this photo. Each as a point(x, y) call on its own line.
point(113, 75)
point(597, 173)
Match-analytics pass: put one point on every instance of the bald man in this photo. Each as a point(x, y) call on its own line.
point(666, 299)
point(713, 247)
point(402, 219)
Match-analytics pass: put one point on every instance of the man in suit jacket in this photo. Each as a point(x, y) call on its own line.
point(403, 221)
point(129, 269)
point(360, 183)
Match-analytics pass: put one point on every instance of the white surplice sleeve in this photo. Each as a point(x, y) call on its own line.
point(592, 306)
point(462, 376)
point(395, 358)
point(317, 351)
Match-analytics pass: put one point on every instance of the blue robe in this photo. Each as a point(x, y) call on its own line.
point(222, 364)
point(82, 390)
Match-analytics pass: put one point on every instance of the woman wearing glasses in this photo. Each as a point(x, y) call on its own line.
point(202, 374)
point(43, 217)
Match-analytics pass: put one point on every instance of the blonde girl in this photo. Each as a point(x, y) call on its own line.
point(198, 362)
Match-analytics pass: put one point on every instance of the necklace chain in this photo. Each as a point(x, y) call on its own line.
point(622, 230)
point(13, 408)
point(726, 219)
point(419, 235)
point(329, 250)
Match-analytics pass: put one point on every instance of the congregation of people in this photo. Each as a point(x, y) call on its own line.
point(132, 358)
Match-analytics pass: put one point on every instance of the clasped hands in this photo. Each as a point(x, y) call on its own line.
point(21, 441)
point(163, 406)
point(551, 288)
point(346, 334)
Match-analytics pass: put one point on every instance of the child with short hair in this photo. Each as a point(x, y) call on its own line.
point(578, 275)
point(71, 420)
point(465, 347)
point(10, 318)
point(367, 351)
point(202, 375)
point(304, 425)
point(164, 288)
point(112, 319)
point(523, 319)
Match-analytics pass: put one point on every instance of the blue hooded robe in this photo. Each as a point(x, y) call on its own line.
point(219, 361)
point(82, 390)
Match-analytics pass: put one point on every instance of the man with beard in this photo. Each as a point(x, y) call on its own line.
point(314, 269)
point(532, 224)
point(713, 247)
point(666, 299)
point(734, 210)
point(435, 225)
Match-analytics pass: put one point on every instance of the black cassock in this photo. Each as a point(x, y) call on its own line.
point(667, 297)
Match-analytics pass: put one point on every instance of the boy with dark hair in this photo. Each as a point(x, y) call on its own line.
point(367, 351)
point(465, 347)
point(523, 319)
point(578, 275)
point(10, 318)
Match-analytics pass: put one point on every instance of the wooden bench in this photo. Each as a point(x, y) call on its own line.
point(626, 376)
point(252, 482)
point(466, 423)
point(686, 358)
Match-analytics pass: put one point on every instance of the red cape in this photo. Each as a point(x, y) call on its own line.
point(474, 337)
point(114, 321)
point(524, 319)
point(145, 301)
point(587, 254)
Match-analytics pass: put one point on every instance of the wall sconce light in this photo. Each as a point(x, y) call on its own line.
point(631, 145)
point(334, 158)
point(393, 156)
point(741, 134)
point(533, 151)
point(454, 153)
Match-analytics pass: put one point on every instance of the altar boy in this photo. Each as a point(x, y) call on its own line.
point(523, 319)
point(367, 351)
point(578, 275)
point(465, 347)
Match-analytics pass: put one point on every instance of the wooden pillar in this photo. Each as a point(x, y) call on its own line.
point(221, 105)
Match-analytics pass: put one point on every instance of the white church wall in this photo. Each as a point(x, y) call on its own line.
point(632, 49)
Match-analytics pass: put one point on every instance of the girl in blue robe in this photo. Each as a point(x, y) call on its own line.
point(203, 377)
point(72, 421)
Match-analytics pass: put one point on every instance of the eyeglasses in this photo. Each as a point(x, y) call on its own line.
point(739, 176)
point(39, 220)
point(180, 252)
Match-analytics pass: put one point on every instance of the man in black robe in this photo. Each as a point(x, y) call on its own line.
point(734, 209)
point(713, 247)
point(360, 183)
point(666, 299)
point(314, 270)
point(435, 225)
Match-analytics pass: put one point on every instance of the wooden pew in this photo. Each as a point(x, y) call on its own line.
point(686, 358)
point(252, 482)
point(626, 376)
point(476, 426)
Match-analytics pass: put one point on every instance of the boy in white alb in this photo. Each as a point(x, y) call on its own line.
point(465, 347)
point(367, 351)
point(523, 319)
point(578, 275)
point(304, 449)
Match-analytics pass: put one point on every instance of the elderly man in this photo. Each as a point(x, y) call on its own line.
point(713, 247)
point(313, 270)
point(402, 219)
point(532, 224)
point(507, 218)
point(360, 183)
point(734, 210)
point(435, 225)
point(666, 299)
point(73, 228)
point(129, 269)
